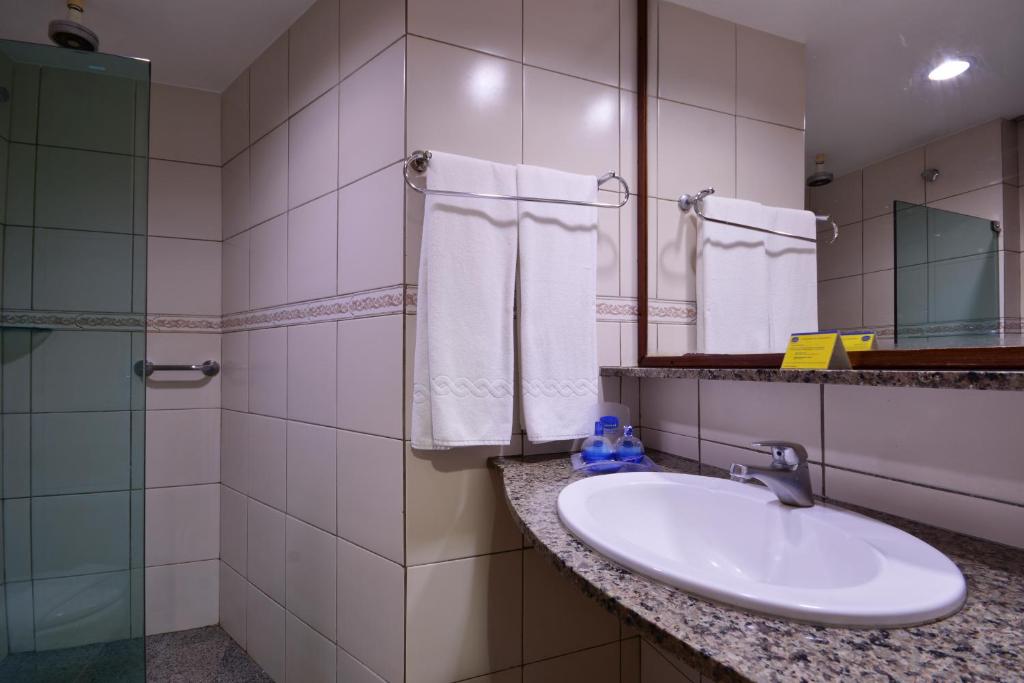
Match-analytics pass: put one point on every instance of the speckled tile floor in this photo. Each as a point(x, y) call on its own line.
point(202, 655)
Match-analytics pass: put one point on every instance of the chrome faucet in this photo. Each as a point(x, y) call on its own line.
point(787, 476)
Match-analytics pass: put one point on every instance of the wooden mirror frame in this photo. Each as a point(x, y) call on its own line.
point(963, 358)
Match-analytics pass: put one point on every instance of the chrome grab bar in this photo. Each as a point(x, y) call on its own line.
point(145, 368)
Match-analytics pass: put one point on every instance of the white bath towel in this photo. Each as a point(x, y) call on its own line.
point(732, 279)
point(463, 367)
point(792, 276)
point(558, 301)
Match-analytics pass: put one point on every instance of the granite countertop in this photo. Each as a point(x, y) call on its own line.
point(995, 380)
point(982, 642)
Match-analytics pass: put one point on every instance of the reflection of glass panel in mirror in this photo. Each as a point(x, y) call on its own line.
point(947, 279)
point(744, 94)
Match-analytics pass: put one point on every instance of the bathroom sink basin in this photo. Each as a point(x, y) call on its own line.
point(737, 544)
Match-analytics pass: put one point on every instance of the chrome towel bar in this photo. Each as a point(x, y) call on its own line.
point(418, 161)
point(695, 202)
point(145, 368)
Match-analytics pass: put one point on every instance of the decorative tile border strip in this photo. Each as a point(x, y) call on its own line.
point(209, 324)
point(387, 301)
point(669, 311)
point(65, 320)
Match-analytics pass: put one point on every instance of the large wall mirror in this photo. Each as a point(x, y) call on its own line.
point(895, 124)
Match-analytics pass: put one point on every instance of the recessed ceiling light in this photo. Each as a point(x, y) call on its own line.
point(951, 68)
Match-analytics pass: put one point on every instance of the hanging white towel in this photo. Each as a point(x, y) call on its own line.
point(792, 276)
point(463, 367)
point(558, 302)
point(732, 279)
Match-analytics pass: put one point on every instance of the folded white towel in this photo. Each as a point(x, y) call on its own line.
point(792, 276)
point(558, 302)
point(463, 367)
point(732, 279)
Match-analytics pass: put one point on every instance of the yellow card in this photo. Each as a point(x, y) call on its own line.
point(815, 351)
point(859, 341)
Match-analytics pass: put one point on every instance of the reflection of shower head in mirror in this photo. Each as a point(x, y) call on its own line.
point(71, 32)
point(820, 176)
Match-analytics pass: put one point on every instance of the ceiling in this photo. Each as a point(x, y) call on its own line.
point(868, 96)
point(194, 43)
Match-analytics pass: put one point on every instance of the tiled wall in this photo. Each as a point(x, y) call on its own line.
point(979, 177)
point(946, 457)
point(183, 409)
point(726, 110)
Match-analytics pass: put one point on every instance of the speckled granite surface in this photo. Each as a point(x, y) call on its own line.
point(993, 380)
point(983, 642)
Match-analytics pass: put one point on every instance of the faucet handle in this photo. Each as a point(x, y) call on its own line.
point(785, 454)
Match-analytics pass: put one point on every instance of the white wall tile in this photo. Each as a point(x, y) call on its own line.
point(370, 224)
point(608, 352)
point(313, 150)
point(879, 298)
point(233, 534)
point(235, 274)
point(696, 59)
point(454, 506)
point(184, 200)
point(312, 576)
point(370, 378)
point(674, 444)
point(968, 160)
point(312, 474)
point(182, 389)
point(966, 514)
point(656, 667)
point(184, 277)
point(234, 210)
point(269, 176)
point(558, 617)
point(268, 266)
point(894, 432)
point(878, 243)
point(466, 102)
point(596, 665)
point(352, 670)
point(313, 54)
point(367, 28)
point(181, 596)
point(309, 656)
point(265, 637)
point(569, 124)
point(464, 618)
point(370, 493)
point(896, 178)
point(268, 460)
point(268, 370)
point(234, 117)
point(985, 203)
point(769, 164)
point(184, 124)
point(371, 609)
point(576, 37)
point(843, 257)
point(233, 588)
point(182, 447)
point(265, 546)
point(234, 451)
point(840, 303)
point(709, 139)
point(182, 524)
point(492, 26)
point(675, 262)
point(372, 104)
point(669, 405)
point(235, 371)
point(312, 373)
point(268, 88)
point(840, 199)
point(313, 250)
point(770, 79)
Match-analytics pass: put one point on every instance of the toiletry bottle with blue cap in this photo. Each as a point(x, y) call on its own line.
point(597, 447)
point(612, 429)
point(629, 448)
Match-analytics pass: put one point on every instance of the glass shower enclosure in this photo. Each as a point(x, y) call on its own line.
point(74, 129)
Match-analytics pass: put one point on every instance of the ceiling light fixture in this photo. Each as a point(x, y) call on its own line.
point(951, 68)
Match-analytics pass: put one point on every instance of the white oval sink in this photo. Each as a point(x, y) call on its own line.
point(736, 544)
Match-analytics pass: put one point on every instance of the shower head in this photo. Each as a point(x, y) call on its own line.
point(71, 32)
point(820, 176)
